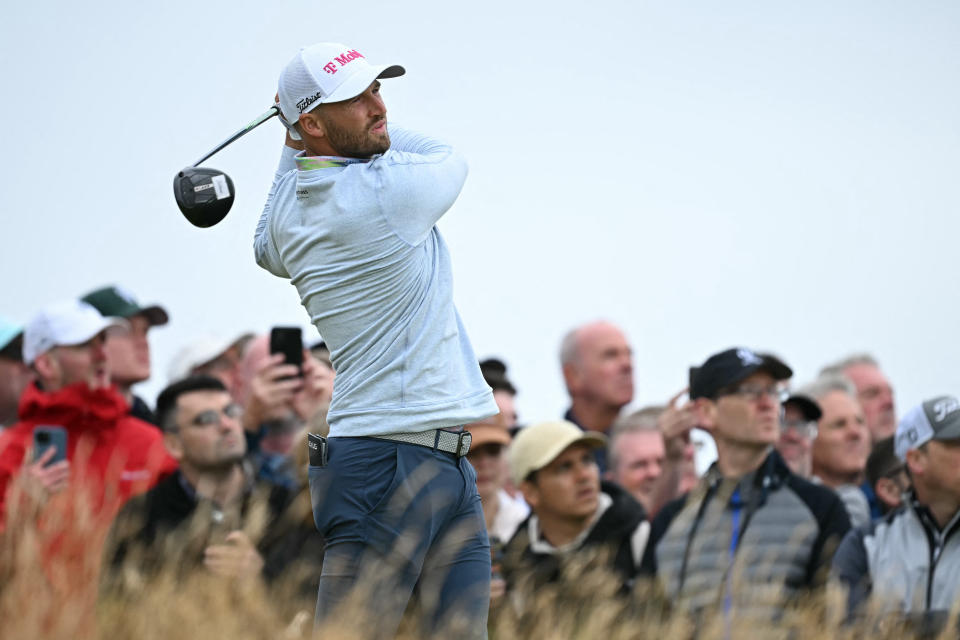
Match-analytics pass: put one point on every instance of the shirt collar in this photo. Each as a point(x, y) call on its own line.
point(191, 491)
point(538, 544)
point(309, 163)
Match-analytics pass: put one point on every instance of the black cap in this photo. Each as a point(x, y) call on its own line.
point(114, 301)
point(807, 406)
point(729, 367)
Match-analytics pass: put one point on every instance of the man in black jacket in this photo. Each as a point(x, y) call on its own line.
point(553, 465)
point(210, 513)
point(752, 534)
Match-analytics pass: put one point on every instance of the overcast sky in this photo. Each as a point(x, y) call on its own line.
point(780, 175)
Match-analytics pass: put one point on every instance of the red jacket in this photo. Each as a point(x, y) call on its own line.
point(112, 457)
point(112, 454)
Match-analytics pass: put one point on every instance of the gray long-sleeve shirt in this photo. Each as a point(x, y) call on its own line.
point(358, 240)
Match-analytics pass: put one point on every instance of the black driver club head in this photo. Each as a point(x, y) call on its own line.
point(203, 195)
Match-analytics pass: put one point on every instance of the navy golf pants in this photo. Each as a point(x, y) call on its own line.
point(397, 518)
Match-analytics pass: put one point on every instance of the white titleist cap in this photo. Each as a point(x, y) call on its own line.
point(934, 419)
point(327, 72)
point(62, 324)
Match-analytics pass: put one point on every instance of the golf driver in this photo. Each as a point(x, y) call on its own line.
point(205, 195)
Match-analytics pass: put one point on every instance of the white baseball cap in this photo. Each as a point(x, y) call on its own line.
point(327, 72)
point(934, 419)
point(62, 324)
point(538, 445)
point(199, 352)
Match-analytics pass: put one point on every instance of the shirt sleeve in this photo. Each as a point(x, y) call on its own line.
point(264, 248)
point(418, 180)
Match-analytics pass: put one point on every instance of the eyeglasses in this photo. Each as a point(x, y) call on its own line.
point(212, 416)
point(756, 392)
point(806, 428)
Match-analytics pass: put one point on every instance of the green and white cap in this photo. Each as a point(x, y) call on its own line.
point(117, 302)
point(934, 419)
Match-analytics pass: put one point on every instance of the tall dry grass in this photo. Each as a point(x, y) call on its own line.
point(64, 600)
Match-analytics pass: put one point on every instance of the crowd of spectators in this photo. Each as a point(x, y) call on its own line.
point(812, 484)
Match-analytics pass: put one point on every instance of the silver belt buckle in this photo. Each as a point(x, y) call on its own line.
point(463, 443)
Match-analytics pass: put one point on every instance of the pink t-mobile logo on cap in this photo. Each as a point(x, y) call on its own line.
point(342, 60)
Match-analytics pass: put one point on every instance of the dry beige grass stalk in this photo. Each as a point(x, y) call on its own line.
point(43, 601)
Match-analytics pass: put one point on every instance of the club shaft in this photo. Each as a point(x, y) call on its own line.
point(263, 117)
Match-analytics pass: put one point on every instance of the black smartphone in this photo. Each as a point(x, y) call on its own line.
point(46, 436)
point(289, 342)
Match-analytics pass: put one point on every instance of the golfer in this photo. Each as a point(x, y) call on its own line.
point(350, 220)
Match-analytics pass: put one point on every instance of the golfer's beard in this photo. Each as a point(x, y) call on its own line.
point(357, 144)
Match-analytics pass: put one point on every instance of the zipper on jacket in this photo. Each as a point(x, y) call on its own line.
point(935, 552)
point(939, 541)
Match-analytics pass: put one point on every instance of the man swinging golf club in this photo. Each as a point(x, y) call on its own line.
point(350, 221)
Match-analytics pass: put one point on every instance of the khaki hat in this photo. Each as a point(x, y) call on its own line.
point(538, 445)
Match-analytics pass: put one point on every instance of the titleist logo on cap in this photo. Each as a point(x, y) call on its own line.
point(943, 408)
point(309, 100)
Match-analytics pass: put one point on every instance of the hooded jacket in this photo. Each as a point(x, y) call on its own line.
point(621, 529)
point(112, 454)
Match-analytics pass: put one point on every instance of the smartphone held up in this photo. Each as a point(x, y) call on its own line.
point(289, 342)
point(47, 436)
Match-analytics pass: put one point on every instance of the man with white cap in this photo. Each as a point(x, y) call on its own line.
point(14, 374)
point(909, 561)
point(350, 221)
point(121, 455)
point(553, 464)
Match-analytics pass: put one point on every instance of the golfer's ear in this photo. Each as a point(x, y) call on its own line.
point(311, 125)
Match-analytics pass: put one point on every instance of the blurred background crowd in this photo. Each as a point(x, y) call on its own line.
point(810, 466)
